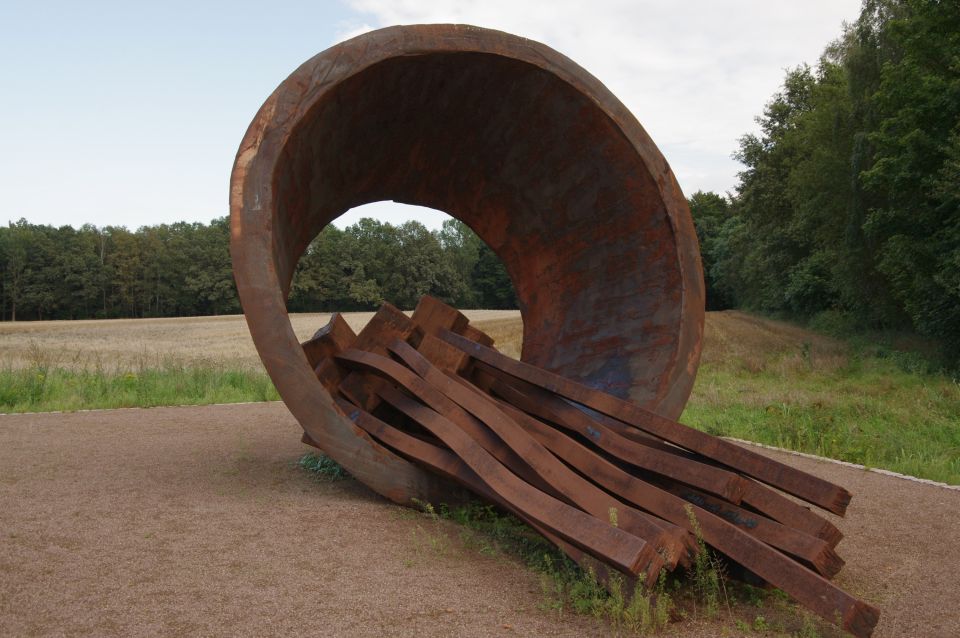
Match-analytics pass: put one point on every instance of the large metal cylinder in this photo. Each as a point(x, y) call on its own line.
point(525, 147)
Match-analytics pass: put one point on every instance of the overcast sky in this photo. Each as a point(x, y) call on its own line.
point(130, 113)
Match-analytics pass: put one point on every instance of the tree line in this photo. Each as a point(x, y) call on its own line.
point(848, 208)
point(370, 262)
point(184, 269)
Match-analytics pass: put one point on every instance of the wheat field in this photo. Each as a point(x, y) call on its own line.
point(746, 340)
point(138, 343)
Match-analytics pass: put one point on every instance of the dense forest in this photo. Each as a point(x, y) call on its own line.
point(184, 269)
point(848, 209)
point(847, 213)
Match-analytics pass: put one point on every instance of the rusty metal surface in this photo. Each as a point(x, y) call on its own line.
point(812, 489)
point(520, 143)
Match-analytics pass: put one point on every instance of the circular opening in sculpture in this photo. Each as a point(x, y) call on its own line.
point(385, 251)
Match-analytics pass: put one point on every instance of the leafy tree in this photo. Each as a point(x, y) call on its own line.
point(492, 284)
point(82, 272)
point(763, 198)
point(848, 200)
point(16, 247)
point(710, 213)
point(209, 275)
point(124, 262)
point(915, 224)
point(463, 247)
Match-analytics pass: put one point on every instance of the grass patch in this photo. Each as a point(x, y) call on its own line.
point(858, 406)
point(323, 467)
point(43, 389)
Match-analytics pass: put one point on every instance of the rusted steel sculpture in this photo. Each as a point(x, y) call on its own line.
point(526, 148)
point(551, 170)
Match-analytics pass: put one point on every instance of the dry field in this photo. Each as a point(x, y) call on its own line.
point(122, 343)
point(226, 340)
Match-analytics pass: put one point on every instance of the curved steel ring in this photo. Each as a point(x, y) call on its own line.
point(524, 146)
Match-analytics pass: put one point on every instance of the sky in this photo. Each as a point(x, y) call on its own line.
point(130, 113)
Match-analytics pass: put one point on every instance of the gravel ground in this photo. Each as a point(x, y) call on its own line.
point(196, 521)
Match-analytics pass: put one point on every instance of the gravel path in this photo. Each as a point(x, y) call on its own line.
point(195, 521)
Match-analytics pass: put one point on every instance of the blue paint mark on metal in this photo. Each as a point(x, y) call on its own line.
point(613, 377)
point(354, 415)
point(590, 412)
point(593, 434)
point(714, 508)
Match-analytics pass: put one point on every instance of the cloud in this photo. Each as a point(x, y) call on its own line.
point(345, 31)
point(695, 74)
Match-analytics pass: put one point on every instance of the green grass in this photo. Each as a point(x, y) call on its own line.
point(323, 467)
point(42, 389)
point(879, 411)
